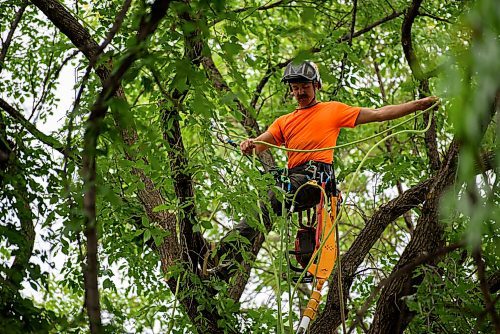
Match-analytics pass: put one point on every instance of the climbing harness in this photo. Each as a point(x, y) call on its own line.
point(281, 177)
point(316, 248)
point(308, 238)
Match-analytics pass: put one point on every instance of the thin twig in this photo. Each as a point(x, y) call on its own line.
point(489, 305)
point(13, 27)
point(437, 18)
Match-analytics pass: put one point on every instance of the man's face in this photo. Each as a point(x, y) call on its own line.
point(303, 92)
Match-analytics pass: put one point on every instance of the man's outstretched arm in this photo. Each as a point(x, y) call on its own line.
point(247, 146)
point(386, 113)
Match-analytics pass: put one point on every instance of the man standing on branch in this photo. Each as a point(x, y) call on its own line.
point(312, 125)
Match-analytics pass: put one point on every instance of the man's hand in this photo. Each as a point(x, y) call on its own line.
point(426, 102)
point(247, 146)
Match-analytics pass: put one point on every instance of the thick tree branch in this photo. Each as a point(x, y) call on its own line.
point(192, 245)
point(183, 179)
point(70, 27)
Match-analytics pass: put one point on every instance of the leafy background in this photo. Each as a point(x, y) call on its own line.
point(43, 250)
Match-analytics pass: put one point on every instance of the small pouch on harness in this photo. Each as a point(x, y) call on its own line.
point(305, 245)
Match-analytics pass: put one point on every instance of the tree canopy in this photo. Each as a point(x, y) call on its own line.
point(119, 178)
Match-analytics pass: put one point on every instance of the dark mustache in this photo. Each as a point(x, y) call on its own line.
point(302, 96)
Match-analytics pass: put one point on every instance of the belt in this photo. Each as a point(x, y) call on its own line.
point(314, 170)
point(319, 171)
point(313, 166)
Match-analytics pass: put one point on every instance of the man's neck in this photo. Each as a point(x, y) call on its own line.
point(309, 105)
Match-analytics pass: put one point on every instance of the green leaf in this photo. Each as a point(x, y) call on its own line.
point(145, 221)
point(206, 224)
point(161, 207)
point(147, 235)
point(108, 284)
point(232, 49)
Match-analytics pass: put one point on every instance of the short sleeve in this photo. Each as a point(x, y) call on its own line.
point(346, 116)
point(276, 130)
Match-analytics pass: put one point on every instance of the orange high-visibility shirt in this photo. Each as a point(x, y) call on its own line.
point(311, 128)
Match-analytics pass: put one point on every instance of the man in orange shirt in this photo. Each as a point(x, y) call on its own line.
point(317, 124)
point(312, 125)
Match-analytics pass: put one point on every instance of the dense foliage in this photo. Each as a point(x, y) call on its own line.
point(116, 119)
